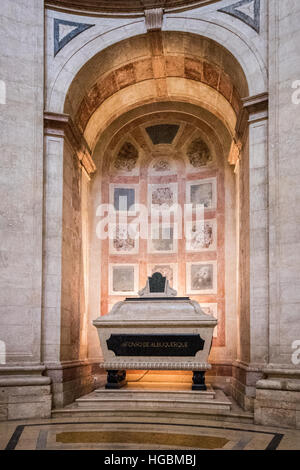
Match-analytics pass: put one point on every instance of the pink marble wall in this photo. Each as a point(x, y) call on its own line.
point(182, 175)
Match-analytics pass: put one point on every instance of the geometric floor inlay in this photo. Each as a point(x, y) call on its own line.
point(142, 438)
point(148, 435)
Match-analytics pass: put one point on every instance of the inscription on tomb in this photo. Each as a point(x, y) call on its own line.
point(155, 345)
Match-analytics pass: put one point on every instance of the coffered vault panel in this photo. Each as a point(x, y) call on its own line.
point(151, 68)
point(157, 56)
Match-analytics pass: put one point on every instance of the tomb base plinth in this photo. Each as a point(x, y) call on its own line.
point(147, 398)
point(115, 379)
point(199, 381)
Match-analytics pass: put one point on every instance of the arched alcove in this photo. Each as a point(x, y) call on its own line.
point(185, 123)
point(156, 94)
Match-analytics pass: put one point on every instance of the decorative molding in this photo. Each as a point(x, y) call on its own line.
point(256, 107)
point(242, 11)
point(61, 125)
point(280, 371)
point(155, 365)
point(154, 19)
point(18, 376)
point(248, 367)
point(123, 7)
point(71, 364)
point(76, 29)
point(235, 152)
point(256, 103)
point(284, 382)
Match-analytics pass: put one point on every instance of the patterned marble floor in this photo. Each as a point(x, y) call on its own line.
point(108, 434)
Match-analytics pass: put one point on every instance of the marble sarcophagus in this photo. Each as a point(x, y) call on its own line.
point(156, 330)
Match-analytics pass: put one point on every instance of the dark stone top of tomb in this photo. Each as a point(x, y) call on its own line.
point(157, 288)
point(157, 283)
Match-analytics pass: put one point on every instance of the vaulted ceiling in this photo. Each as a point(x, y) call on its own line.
point(155, 67)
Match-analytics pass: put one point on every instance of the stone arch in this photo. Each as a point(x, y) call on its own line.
point(235, 44)
point(179, 90)
point(111, 91)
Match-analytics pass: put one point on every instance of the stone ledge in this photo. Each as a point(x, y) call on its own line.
point(62, 126)
point(14, 376)
point(281, 371)
point(7, 381)
point(247, 366)
point(281, 384)
point(71, 364)
point(12, 368)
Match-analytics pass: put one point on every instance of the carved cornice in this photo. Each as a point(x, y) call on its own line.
point(256, 102)
point(255, 108)
point(25, 375)
point(61, 125)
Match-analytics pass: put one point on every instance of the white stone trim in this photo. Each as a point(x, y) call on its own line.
point(155, 365)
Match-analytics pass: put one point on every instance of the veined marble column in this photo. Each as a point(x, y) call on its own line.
point(278, 393)
point(64, 342)
point(24, 391)
point(254, 254)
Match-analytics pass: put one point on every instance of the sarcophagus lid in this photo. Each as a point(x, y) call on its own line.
point(157, 303)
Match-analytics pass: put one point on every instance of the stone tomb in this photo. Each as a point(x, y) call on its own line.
point(156, 330)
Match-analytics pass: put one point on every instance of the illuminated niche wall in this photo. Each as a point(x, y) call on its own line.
point(158, 164)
